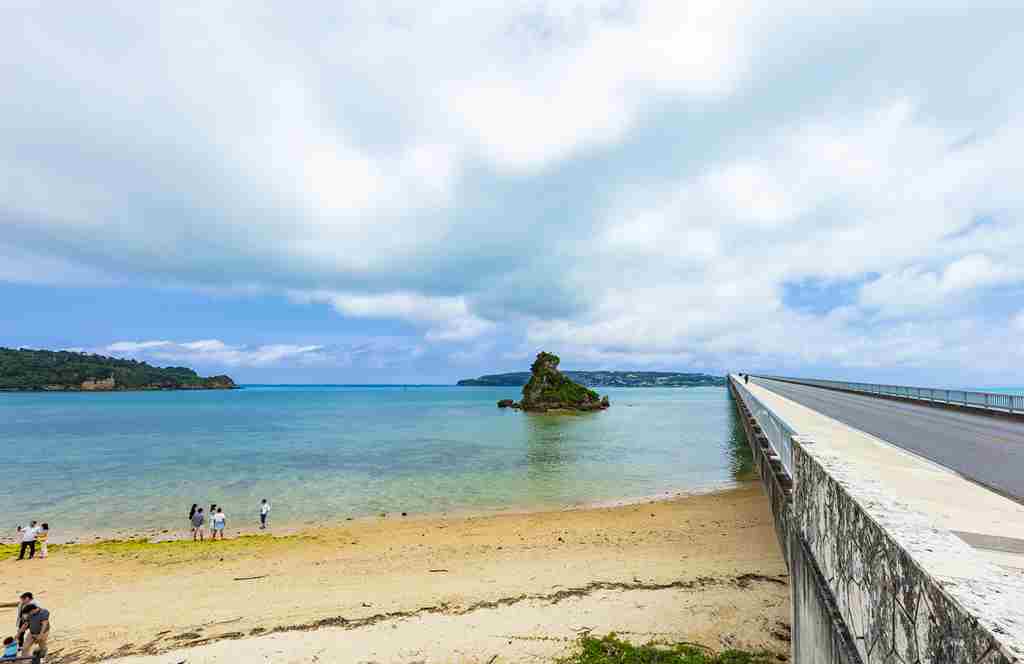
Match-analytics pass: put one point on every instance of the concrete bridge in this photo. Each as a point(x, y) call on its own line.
point(900, 512)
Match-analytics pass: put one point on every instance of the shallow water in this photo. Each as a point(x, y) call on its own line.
point(137, 460)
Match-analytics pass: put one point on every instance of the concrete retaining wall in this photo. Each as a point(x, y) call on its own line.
point(819, 634)
point(872, 582)
point(897, 609)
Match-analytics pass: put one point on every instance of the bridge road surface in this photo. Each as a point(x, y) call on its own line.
point(986, 449)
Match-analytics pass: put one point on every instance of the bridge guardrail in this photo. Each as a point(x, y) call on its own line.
point(1004, 403)
point(777, 430)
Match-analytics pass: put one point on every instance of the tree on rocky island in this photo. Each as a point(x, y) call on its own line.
point(549, 389)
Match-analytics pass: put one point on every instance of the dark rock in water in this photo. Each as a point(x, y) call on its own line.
point(549, 389)
point(507, 403)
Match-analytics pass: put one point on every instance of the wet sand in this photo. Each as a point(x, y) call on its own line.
point(702, 568)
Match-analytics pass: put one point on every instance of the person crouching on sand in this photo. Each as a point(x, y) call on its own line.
point(37, 623)
point(197, 525)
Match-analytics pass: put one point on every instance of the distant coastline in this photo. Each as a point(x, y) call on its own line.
point(26, 370)
point(604, 379)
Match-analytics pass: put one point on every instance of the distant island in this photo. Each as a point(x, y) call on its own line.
point(65, 371)
point(550, 390)
point(604, 379)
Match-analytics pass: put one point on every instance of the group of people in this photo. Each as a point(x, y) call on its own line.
point(29, 536)
point(33, 630)
point(216, 521)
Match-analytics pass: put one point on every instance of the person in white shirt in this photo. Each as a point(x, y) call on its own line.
point(28, 541)
point(217, 523)
point(264, 513)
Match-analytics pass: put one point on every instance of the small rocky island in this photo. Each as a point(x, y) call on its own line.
point(24, 369)
point(550, 390)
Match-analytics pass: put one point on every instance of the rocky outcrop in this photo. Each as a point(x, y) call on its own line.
point(550, 390)
point(99, 385)
point(212, 383)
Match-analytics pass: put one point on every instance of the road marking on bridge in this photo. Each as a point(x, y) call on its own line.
point(991, 542)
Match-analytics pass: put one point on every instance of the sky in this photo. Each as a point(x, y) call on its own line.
point(409, 192)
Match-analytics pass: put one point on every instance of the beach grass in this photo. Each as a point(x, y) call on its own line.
point(166, 552)
point(610, 649)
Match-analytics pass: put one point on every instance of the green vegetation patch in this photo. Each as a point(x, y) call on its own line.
point(564, 390)
point(612, 650)
point(169, 552)
point(181, 551)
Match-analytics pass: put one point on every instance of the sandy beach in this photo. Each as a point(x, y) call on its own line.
point(501, 588)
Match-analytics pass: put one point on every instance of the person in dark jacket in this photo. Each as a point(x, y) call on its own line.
point(36, 628)
point(23, 601)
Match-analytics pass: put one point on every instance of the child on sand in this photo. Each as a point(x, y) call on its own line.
point(10, 648)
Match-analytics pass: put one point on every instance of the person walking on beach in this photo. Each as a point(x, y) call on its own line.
point(36, 628)
point(217, 523)
point(192, 513)
point(28, 541)
point(264, 513)
point(197, 525)
point(23, 601)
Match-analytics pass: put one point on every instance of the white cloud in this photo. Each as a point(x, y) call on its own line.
point(913, 289)
point(1017, 322)
point(640, 182)
point(207, 352)
point(135, 346)
point(583, 77)
point(446, 318)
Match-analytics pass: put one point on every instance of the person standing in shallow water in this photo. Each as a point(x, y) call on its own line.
point(264, 513)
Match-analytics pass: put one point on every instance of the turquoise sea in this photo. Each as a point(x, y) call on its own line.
point(134, 461)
